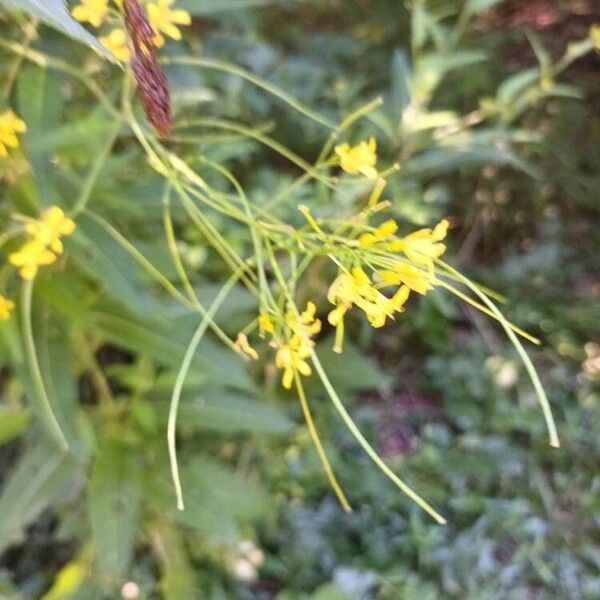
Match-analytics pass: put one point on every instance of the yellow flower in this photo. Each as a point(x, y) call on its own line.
point(30, 257)
point(378, 312)
point(44, 242)
point(163, 19)
point(91, 11)
point(10, 125)
point(116, 42)
point(291, 357)
point(361, 158)
point(242, 343)
point(357, 289)
point(48, 229)
point(306, 325)
point(416, 279)
point(6, 307)
point(383, 231)
point(265, 325)
point(423, 246)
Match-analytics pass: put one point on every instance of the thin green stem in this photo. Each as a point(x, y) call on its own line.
point(266, 141)
point(347, 123)
point(179, 267)
point(97, 166)
point(34, 366)
point(217, 65)
point(319, 446)
point(181, 375)
point(354, 430)
point(139, 258)
point(535, 380)
point(43, 60)
point(358, 436)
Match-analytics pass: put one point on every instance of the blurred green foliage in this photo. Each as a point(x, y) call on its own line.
point(484, 130)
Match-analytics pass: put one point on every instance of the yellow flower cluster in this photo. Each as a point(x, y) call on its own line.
point(10, 125)
point(162, 18)
point(413, 272)
point(44, 243)
point(6, 307)
point(378, 259)
point(292, 354)
point(355, 288)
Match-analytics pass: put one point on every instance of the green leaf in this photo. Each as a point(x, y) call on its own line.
point(58, 369)
point(167, 343)
point(216, 498)
point(225, 411)
point(210, 7)
point(41, 477)
point(516, 84)
point(13, 422)
point(400, 86)
point(55, 14)
point(445, 160)
point(111, 266)
point(178, 577)
point(114, 501)
point(39, 100)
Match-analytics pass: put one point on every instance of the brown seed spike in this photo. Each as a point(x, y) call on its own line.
point(152, 83)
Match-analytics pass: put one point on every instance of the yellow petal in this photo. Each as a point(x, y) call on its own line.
point(288, 378)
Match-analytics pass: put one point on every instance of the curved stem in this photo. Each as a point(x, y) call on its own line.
point(319, 446)
point(183, 371)
point(34, 366)
point(355, 431)
point(217, 65)
point(535, 380)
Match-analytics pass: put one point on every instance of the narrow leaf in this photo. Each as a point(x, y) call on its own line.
point(55, 14)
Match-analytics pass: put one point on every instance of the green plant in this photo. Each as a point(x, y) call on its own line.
point(112, 320)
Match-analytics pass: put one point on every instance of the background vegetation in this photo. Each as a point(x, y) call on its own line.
point(504, 143)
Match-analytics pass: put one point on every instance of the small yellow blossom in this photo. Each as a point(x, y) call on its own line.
point(357, 289)
point(379, 311)
point(291, 358)
point(403, 273)
point(306, 325)
point(10, 125)
point(91, 11)
point(359, 159)
point(6, 307)
point(242, 343)
point(265, 325)
point(165, 20)
point(44, 242)
point(47, 230)
point(116, 42)
point(423, 246)
point(30, 257)
point(385, 230)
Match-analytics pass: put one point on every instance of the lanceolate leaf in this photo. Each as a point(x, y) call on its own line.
point(55, 14)
point(115, 493)
point(39, 479)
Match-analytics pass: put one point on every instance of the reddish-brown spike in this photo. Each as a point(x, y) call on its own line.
point(153, 90)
